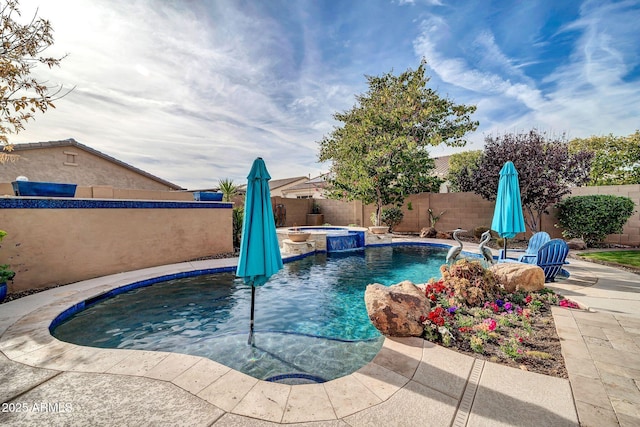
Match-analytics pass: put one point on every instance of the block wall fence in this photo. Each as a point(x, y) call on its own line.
point(464, 210)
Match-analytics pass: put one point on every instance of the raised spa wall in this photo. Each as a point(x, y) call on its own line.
point(55, 241)
point(317, 241)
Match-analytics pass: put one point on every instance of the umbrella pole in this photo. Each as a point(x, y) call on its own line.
point(505, 248)
point(253, 298)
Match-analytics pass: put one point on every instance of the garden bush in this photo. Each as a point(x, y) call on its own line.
point(592, 218)
point(238, 219)
point(392, 217)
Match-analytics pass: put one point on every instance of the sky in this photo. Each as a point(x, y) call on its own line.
point(193, 91)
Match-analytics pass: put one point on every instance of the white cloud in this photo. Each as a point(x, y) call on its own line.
point(457, 72)
point(158, 85)
point(587, 94)
point(194, 91)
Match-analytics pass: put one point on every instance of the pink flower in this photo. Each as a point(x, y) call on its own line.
point(568, 304)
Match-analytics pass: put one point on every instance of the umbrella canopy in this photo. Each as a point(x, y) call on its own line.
point(507, 216)
point(259, 250)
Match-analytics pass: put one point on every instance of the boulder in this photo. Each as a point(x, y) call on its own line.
point(396, 310)
point(518, 277)
point(444, 235)
point(578, 244)
point(428, 232)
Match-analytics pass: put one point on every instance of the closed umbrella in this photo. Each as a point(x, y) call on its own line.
point(507, 216)
point(259, 250)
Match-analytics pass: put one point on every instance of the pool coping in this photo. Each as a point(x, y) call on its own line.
point(400, 363)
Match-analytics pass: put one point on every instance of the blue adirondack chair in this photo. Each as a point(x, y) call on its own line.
point(536, 241)
point(550, 257)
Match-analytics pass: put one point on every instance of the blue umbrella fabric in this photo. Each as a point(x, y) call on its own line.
point(508, 219)
point(259, 250)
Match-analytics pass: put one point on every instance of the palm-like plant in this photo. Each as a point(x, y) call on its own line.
point(228, 188)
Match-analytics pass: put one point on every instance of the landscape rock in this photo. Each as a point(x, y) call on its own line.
point(444, 235)
point(518, 277)
point(578, 244)
point(428, 232)
point(396, 310)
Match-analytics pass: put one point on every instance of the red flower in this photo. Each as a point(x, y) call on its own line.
point(528, 299)
point(436, 316)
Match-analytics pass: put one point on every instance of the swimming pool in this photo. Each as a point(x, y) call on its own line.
point(311, 321)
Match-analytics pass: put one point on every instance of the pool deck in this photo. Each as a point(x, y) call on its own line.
point(411, 382)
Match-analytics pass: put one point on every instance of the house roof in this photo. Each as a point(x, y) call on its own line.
point(73, 143)
point(317, 182)
point(277, 183)
point(441, 166)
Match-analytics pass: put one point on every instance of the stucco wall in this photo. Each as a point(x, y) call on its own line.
point(63, 245)
point(71, 164)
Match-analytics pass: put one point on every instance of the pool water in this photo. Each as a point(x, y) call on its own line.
point(310, 318)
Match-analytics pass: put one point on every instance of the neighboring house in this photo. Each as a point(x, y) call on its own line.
point(309, 189)
point(441, 170)
point(68, 161)
point(277, 187)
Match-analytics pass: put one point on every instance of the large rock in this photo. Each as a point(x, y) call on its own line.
point(396, 310)
point(519, 277)
point(578, 244)
point(428, 232)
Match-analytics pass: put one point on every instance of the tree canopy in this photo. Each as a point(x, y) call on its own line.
point(616, 158)
point(21, 94)
point(546, 170)
point(379, 153)
point(461, 168)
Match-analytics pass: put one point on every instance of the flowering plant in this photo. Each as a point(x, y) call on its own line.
point(470, 314)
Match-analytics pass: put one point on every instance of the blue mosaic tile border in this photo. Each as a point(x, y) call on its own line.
point(40, 203)
point(433, 245)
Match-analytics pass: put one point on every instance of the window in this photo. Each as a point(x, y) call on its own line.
point(70, 158)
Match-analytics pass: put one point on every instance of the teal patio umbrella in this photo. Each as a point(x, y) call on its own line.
point(507, 216)
point(259, 250)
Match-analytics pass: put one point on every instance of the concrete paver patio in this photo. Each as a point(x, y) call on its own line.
point(411, 382)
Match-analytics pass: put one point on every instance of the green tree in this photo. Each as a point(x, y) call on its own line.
point(21, 94)
point(616, 158)
point(228, 188)
point(379, 153)
point(546, 170)
point(461, 168)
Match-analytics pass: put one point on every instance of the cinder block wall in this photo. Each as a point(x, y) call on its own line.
point(631, 231)
point(296, 209)
point(467, 211)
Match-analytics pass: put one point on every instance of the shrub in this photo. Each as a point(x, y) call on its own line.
point(392, 217)
point(238, 219)
point(471, 282)
point(592, 218)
